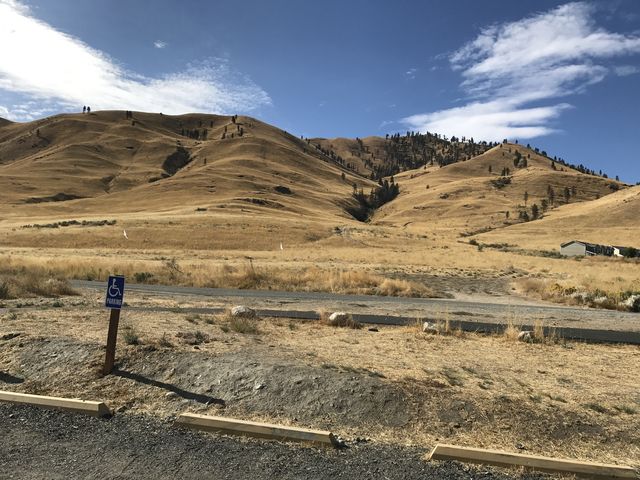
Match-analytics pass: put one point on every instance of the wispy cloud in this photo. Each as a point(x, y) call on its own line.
point(159, 44)
point(510, 66)
point(625, 70)
point(411, 73)
point(41, 63)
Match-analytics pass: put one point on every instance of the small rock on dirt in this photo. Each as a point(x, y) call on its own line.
point(339, 317)
point(525, 336)
point(9, 336)
point(428, 327)
point(243, 311)
point(171, 395)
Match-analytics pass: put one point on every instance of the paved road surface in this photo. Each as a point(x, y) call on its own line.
point(38, 444)
point(521, 312)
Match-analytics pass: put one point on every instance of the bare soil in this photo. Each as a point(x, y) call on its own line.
point(395, 385)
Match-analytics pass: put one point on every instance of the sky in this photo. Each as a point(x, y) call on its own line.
point(561, 76)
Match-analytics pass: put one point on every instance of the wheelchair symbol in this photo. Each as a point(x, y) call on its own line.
point(114, 291)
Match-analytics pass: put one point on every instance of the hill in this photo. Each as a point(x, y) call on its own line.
point(610, 220)
point(378, 157)
point(492, 190)
point(196, 175)
point(105, 161)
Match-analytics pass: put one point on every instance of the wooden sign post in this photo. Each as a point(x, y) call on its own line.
point(114, 300)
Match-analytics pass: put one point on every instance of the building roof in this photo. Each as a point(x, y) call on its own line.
point(586, 244)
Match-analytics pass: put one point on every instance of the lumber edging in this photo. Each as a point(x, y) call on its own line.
point(254, 429)
point(88, 407)
point(534, 462)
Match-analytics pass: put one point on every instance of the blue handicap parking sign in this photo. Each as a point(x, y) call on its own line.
point(115, 292)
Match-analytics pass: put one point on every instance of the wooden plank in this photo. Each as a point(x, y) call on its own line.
point(534, 462)
point(254, 429)
point(88, 407)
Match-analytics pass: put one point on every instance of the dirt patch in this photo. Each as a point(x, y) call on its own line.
point(244, 381)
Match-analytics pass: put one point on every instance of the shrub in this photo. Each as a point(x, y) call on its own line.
point(131, 337)
point(244, 325)
point(4, 290)
point(142, 277)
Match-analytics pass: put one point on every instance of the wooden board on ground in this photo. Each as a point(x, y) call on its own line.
point(534, 462)
point(254, 429)
point(88, 407)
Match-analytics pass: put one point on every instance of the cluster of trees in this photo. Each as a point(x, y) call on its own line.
point(545, 203)
point(195, 133)
point(405, 152)
point(331, 155)
point(415, 149)
point(386, 191)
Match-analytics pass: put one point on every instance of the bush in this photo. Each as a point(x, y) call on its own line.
point(142, 277)
point(244, 325)
point(4, 290)
point(131, 337)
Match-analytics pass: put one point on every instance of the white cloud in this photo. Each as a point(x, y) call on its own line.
point(160, 44)
point(536, 59)
point(40, 62)
point(625, 70)
point(411, 73)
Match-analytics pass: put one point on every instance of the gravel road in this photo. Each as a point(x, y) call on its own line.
point(481, 310)
point(36, 444)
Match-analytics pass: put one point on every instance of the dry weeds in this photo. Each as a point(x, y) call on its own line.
point(613, 295)
point(21, 281)
point(170, 271)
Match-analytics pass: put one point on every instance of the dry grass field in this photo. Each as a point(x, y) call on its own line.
point(72, 185)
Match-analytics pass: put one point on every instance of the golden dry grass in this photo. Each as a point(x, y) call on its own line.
point(212, 214)
point(20, 281)
point(247, 275)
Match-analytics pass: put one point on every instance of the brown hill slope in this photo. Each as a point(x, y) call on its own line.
point(473, 195)
point(106, 162)
point(610, 220)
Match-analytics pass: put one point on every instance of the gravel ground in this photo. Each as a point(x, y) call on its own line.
point(36, 444)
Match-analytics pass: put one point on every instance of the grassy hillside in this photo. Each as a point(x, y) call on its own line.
point(488, 191)
point(153, 162)
point(610, 220)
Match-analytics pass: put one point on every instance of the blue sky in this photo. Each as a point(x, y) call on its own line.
point(561, 76)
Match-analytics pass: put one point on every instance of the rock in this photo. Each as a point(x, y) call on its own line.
point(259, 386)
point(428, 327)
point(339, 442)
point(9, 336)
point(633, 303)
point(243, 312)
point(525, 336)
point(171, 395)
point(339, 317)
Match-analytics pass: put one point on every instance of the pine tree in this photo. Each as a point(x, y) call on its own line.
point(534, 211)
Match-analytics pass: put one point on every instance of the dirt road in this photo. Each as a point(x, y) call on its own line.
point(39, 444)
point(481, 310)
